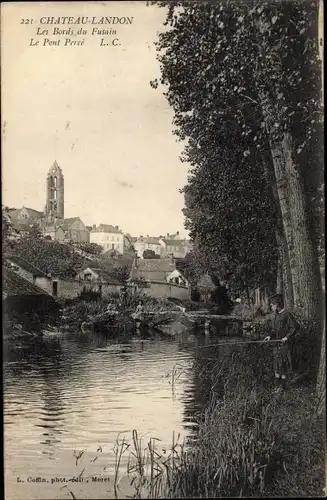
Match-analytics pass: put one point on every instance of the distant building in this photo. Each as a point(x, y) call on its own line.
point(23, 218)
point(175, 236)
point(51, 222)
point(177, 278)
point(176, 247)
point(149, 243)
point(55, 233)
point(152, 269)
point(75, 230)
point(96, 274)
point(108, 237)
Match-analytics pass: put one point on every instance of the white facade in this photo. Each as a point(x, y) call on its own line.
point(108, 240)
point(155, 244)
point(177, 278)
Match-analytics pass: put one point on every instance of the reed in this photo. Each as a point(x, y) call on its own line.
point(249, 443)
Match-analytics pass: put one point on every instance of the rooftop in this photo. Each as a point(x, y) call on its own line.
point(13, 284)
point(26, 265)
point(152, 265)
point(107, 228)
point(174, 243)
point(150, 240)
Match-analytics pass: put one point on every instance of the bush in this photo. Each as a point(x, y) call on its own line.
point(89, 295)
point(195, 295)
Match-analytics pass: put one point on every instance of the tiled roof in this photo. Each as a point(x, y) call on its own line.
point(175, 243)
point(26, 265)
point(34, 213)
point(149, 240)
point(106, 228)
point(69, 221)
point(13, 284)
point(13, 212)
point(153, 265)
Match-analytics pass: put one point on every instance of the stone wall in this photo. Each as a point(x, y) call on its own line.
point(72, 288)
point(166, 290)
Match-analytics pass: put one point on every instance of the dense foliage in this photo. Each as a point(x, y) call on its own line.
point(50, 256)
point(150, 254)
point(255, 76)
point(92, 248)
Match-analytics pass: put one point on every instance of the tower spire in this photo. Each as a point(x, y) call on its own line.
point(54, 208)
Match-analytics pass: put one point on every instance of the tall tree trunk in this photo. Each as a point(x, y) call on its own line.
point(284, 276)
point(303, 256)
point(286, 269)
point(321, 381)
point(279, 283)
point(305, 271)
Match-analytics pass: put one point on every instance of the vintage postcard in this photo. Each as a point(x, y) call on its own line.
point(163, 249)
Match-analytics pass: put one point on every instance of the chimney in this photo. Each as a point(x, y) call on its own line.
point(94, 226)
point(117, 227)
point(167, 235)
point(177, 233)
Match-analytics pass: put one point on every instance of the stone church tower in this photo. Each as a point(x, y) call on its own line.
point(54, 208)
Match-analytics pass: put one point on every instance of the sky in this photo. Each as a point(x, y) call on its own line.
point(90, 108)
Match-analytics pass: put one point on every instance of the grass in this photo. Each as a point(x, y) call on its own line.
point(250, 442)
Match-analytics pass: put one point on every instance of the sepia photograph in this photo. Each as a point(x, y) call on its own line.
point(163, 241)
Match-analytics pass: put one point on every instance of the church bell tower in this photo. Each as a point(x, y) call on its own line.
point(54, 208)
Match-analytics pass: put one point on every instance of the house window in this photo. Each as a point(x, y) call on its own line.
point(87, 276)
point(113, 246)
point(55, 288)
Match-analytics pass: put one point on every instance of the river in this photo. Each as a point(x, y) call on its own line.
point(73, 394)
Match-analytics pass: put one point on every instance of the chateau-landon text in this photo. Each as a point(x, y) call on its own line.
point(86, 20)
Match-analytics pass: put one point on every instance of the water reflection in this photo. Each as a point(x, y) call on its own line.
point(77, 392)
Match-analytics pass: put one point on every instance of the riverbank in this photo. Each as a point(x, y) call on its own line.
point(251, 441)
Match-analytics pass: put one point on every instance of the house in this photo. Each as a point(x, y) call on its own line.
point(25, 216)
point(152, 269)
point(95, 274)
point(149, 243)
point(75, 230)
point(109, 237)
point(177, 278)
point(30, 273)
point(176, 247)
point(21, 298)
point(175, 236)
point(55, 232)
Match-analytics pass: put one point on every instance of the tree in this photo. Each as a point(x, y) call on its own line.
point(121, 273)
point(50, 256)
point(150, 254)
point(34, 231)
point(253, 103)
point(92, 248)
